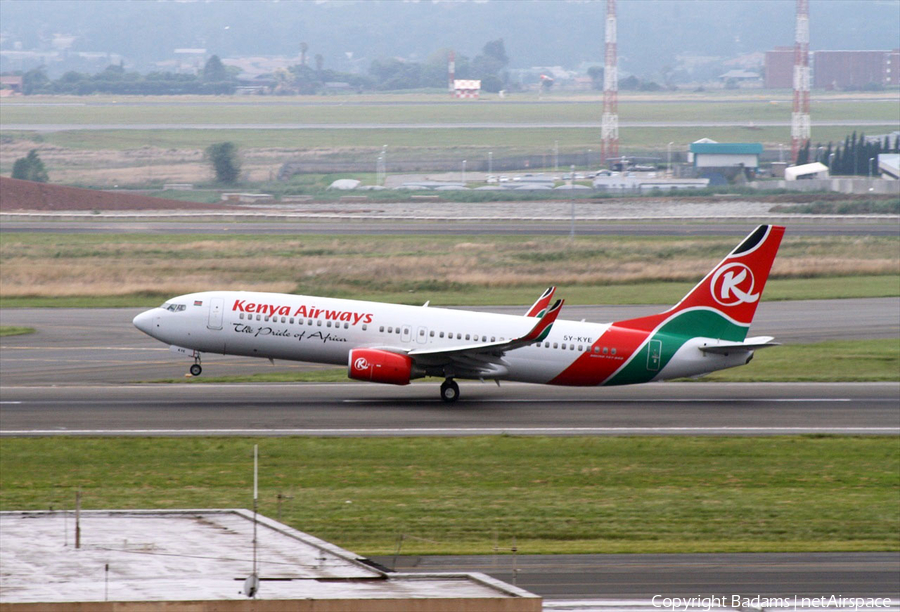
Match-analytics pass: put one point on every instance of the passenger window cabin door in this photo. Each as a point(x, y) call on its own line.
point(216, 311)
point(654, 354)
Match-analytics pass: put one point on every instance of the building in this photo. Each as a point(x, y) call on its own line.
point(709, 154)
point(835, 69)
point(815, 170)
point(645, 182)
point(855, 69)
point(466, 88)
point(740, 78)
point(149, 560)
point(889, 166)
point(779, 68)
point(10, 85)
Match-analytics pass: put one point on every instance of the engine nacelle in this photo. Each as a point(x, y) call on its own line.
point(373, 365)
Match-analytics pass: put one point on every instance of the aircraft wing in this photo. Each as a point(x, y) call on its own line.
point(750, 344)
point(539, 307)
point(485, 359)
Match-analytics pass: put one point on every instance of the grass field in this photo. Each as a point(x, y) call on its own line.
point(456, 495)
point(143, 157)
point(12, 330)
point(462, 112)
point(470, 270)
point(407, 144)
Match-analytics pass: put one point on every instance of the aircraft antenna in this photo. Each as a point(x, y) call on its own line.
point(609, 130)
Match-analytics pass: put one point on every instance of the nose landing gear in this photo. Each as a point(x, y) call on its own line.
point(449, 391)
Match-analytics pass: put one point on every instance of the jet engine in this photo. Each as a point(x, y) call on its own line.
point(373, 365)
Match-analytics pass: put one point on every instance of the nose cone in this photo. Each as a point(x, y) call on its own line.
point(144, 322)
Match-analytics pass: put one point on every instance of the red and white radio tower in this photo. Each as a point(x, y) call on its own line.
point(800, 124)
point(451, 70)
point(609, 126)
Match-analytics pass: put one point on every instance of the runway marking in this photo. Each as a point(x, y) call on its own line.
point(452, 431)
point(2, 402)
point(627, 400)
point(78, 348)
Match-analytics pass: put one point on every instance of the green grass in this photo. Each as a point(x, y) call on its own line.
point(417, 143)
point(663, 293)
point(11, 330)
point(832, 361)
point(494, 111)
point(455, 495)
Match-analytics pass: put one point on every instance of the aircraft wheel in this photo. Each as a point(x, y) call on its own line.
point(449, 391)
point(196, 370)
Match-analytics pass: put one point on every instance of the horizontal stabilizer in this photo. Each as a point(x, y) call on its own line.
point(750, 344)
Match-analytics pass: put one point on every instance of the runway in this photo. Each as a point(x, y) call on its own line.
point(152, 224)
point(684, 575)
point(473, 125)
point(355, 409)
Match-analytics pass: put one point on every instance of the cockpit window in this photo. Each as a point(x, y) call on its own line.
point(173, 307)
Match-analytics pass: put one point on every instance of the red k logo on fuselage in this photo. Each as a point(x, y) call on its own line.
point(361, 364)
point(732, 284)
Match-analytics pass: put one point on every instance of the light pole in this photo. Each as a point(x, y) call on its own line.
point(871, 159)
point(818, 151)
point(384, 164)
point(464, 173)
point(830, 162)
point(572, 198)
point(490, 163)
point(669, 159)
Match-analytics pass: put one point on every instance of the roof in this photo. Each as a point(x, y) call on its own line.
point(182, 555)
point(739, 74)
point(793, 172)
point(727, 148)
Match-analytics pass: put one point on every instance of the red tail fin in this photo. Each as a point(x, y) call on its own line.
point(734, 287)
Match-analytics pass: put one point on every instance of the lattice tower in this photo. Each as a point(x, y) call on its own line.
point(609, 125)
point(800, 123)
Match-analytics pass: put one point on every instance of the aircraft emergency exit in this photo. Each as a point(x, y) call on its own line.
point(392, 343)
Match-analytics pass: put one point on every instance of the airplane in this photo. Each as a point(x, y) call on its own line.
point(394, 344)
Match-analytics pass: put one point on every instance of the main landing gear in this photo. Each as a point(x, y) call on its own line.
point(449, 391)
point(196, 369)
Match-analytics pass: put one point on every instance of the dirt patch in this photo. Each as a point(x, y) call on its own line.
point(26, 195)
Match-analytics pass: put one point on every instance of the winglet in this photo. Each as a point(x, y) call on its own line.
point(542, 327)
point(540, 307)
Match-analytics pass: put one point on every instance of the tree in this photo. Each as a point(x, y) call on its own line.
point(30, 168)
point(225, 161)
point(34, 80)
point(596, 73)
point(214, 70)
point(320, 62)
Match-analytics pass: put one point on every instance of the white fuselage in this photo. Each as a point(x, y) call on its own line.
point(325, 330)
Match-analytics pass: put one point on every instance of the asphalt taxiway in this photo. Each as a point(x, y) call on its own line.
point(101, 346)
point(678, 575)
point(347, 224)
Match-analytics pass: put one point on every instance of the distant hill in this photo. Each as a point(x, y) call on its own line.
point(350, 34)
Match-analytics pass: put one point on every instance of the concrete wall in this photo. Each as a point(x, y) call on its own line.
point(840, 185)
point(712, 160)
